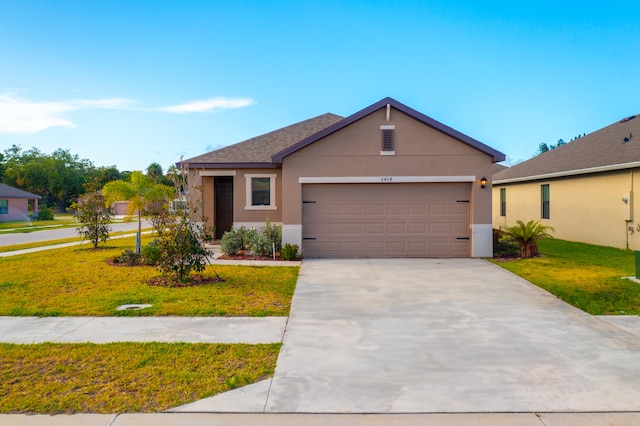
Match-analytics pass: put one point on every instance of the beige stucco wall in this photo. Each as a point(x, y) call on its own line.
point(202, 192)
point(587, 208)
point(355, 152)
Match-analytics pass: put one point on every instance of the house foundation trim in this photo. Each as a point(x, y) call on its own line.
point(481, 240)
point(292, 234)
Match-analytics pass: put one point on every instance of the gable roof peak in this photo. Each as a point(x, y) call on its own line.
point(496, 155)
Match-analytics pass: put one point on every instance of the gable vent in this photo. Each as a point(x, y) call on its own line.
point(388, 139)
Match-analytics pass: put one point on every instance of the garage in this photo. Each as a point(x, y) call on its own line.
point(386, 220)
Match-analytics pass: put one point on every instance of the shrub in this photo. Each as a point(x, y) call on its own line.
point(45, 214)
point(151, 253)
point(260, 244)
point(289, 251)
point(273, 233)
point(231, 242)
point(128, 257)
point(526, 235)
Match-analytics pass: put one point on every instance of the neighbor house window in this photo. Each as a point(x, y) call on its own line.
point(261, 192)
point(503, 201)
point(4, 206)
point(546, 213)
point(388, 139)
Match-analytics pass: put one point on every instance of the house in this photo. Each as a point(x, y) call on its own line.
point(387, 181)
point(14, 203)
point(583, 189)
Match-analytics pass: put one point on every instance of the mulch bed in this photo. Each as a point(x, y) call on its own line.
point(194, 280)
point(249, 257)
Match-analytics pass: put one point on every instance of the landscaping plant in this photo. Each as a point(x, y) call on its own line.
point(527, 235)
point(93, 217)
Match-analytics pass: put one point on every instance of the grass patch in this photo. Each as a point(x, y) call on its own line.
point(77, 281)
point(59, 221)
point(53, 378)
point(15, 247)
point(585, 275)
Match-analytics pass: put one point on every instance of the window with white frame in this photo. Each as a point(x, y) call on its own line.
point(261, 192)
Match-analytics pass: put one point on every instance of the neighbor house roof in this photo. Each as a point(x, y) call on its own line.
point(7, 191)
point(614, 147)
point(257, 151)
point(497, 155)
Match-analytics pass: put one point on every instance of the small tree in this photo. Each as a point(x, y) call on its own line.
point(527, 235)
point(180, 241)
point(93, 217)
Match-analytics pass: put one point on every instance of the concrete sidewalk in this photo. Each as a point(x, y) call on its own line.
point(230, 419)
point(142, 329)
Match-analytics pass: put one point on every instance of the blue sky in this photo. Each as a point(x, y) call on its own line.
point(128, 83)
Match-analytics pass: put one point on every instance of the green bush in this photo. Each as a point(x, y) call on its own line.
point(231, 242)
point(273, 233)
point(129, 258)
point(289, 251)
point(151, 253)
point(45, 214)
point(260, 244)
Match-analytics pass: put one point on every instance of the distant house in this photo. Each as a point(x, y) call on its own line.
point(584, 189)
point(14, 203)
point(386, 181)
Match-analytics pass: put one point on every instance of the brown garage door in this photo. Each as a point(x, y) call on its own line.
point(386, 220)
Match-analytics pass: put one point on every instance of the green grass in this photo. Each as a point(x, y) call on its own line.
point(77, 281)
point(15, 247)
point(61, 220)
point(587, 276)
point(53, 378)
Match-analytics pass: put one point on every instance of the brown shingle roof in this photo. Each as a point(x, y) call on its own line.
point(258, 150)
point(604, 148)
point(7, 191)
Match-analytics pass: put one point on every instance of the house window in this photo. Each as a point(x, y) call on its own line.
point(261, 192)
point(503, 201)
point(388, 140)
point(546, 214)
point(4, 206)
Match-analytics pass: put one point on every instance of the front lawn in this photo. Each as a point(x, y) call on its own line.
point(584, 275)
point(77, 281)
point(52, 378)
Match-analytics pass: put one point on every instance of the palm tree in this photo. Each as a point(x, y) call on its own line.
point(527, 235)
point(141, 192)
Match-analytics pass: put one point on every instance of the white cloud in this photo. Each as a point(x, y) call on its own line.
point(19, 115)
point(208, 105)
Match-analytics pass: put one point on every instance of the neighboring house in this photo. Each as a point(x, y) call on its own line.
point(14, 203)
point(583, 189)
point(386, 181)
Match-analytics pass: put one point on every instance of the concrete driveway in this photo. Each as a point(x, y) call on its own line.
point(462, 335)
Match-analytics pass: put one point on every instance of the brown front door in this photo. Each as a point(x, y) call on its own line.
point(223, 187)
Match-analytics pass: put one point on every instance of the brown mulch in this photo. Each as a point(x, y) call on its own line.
point(194, 280)
point(249, 257)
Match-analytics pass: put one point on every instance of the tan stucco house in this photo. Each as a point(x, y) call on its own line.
point(584, 189)
point(14, 203)
point(387, 181)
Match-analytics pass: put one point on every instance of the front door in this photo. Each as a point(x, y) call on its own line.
point(223, 188)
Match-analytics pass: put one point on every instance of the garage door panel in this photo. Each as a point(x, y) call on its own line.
point(385, 220)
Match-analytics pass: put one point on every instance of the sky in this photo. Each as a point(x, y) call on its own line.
point(132, 82)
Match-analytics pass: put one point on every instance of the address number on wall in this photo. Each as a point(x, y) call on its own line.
point(386, 179)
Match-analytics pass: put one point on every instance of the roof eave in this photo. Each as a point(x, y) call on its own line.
point(262, 165)
point(566, 173)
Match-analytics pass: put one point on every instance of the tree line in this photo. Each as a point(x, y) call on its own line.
point(61, 177)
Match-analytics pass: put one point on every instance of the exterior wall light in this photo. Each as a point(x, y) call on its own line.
point(483, 182)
